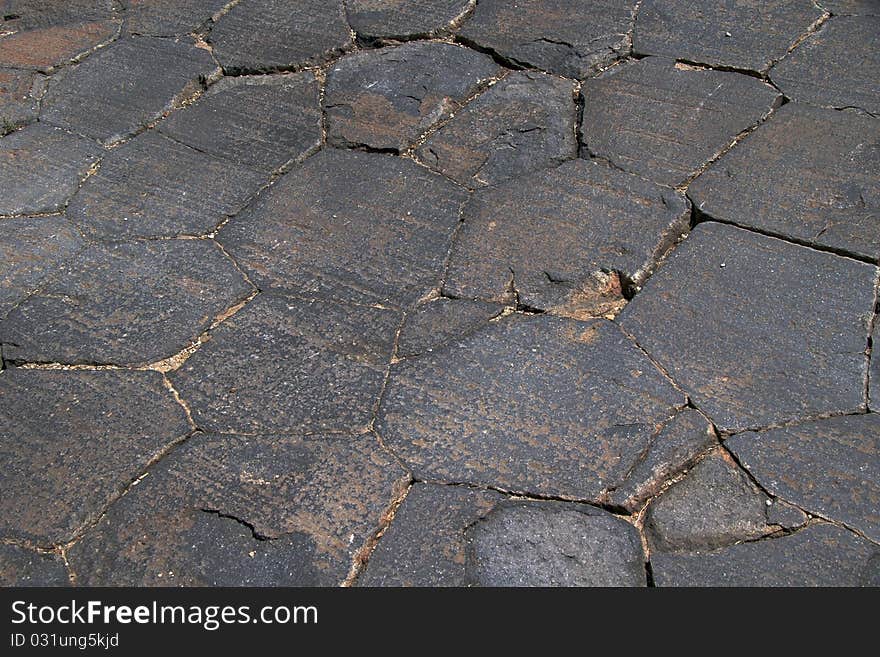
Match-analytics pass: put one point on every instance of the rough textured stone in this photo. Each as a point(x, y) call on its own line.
point(714, 505)
point(543, 238)
point(387, 98)
point(245, 511)
point(874, 375)
point(838, 66)
point(756, 330)
point(431, 325)
point(574, 38)
point(788, 516)
point(663, 121)
point(541, 405)
point(829, 467)
point(403, 18)
point(807, 174)
point(74, 441)
point(741, 34)
point(30, 249)
point(685, 437)
point(358, 227)
point(127, 303)
point(258, 121)
point(523, 123)
point(155, 187)
point(21, 567)
point(20, 92)
point(304, 366)
point(125, 86)
point(266, 35)
point(822, 555)
point(169, 17)
point(41, 168)
point(852, 7)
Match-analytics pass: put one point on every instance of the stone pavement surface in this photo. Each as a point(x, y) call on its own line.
point(440, 293)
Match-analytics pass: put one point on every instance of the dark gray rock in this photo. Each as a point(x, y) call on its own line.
point(154, 187)
point(838, 66)
point(74, 441)
point(574, 38)
point(431, 325)
point(359, 227)
point(744, 34)
point(128, 303)
point(664, 121)
point(22, 567)
point(852, 7)
point(169, 17)
point(523, 123)
point(125, 86)
point(245, 511)
point(829, 467)
point(544, 237)
point(20, 92)
point(41, 168)
point(270, 35)
point(387, 98)
point(260, 122)
point(403, 18)
point(821, 555)
point(290, 365)
point(874, 374)
point(785, 515)
point(534, 404)
point(807, 174)
point(758, 331)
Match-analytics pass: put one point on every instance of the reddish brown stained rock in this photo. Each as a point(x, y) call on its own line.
point(403, 18)
point(433, 324)
point(22, 567)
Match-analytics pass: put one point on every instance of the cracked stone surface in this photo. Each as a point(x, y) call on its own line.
point(874, 374)
point(23, 567)
point(169, 17)
point(431, 325)
point(403, 18)
point(20, 92)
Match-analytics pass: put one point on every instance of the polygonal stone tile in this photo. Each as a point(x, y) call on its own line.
point(821, 555)
point(204, 514)
point(74, 441)
point(838, 66)
point(257, 121)
point(852, 7)
point(535, 404)
point(807, 174)
point(30, 249)
point(20, 92)
point(125, 86)
point(829, 467)
point(358, 227)
point(269, 35)
point(573, 38)
point(40, 34)
point(663, 121)
point(543, 237)
point(523, 123)
point(404, 18)
point(387, 98)
point(433, 324)
point(757, 331)
point(169, 17)
point(22, 567)
point(41, 168)
point(714, 505)
point(290, 365)
point(741, 34)
point(126, 303)
point(153, 187)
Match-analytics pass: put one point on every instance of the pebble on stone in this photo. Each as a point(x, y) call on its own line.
point(260, 122)
point(821, 555)
point(807, 174)
point(574, 38)
point(358, 227)
point(387, 98)
point(403, 18)
point(74, 441)
point(523, 123)
point(664, 121)
point(290, 365)
point(756, 330)
point(226, 510)
point(268, 35)
point(23, 567)
point(742, 34)
point(829, 467)
point(435, 323)
point(153, 187)
point(533, 404)
point(169, 17)
point(125, 86)
point(125, 304)
point(838, 66)
point(543, 238)
point(41, 167)
point(20, 92)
